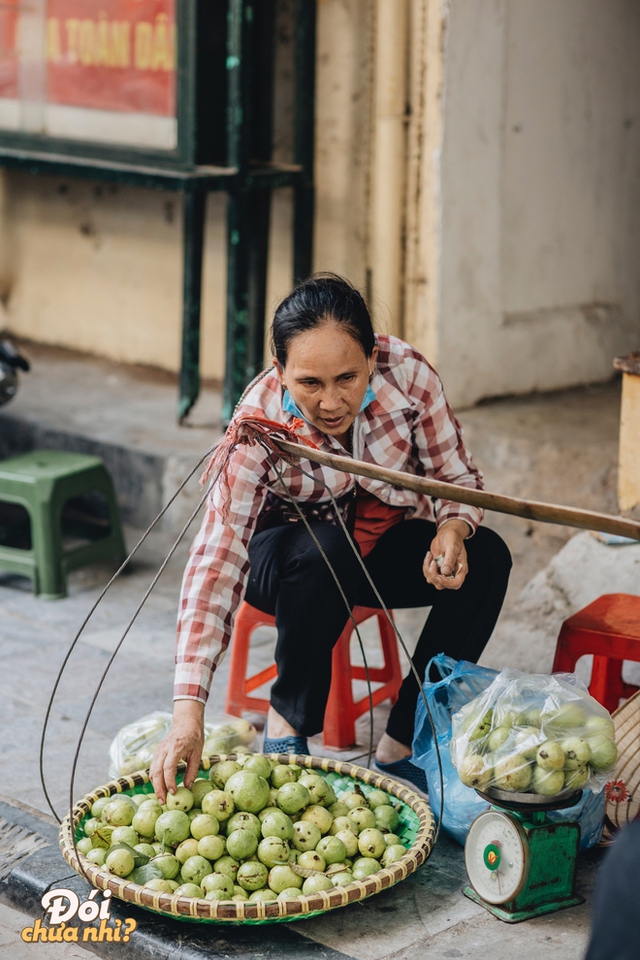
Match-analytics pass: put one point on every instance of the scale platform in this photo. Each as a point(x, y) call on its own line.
point(520, 863)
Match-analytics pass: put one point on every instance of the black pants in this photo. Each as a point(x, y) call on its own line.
point(616, 901)
point(290, 580)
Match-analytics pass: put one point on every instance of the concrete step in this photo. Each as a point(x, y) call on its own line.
point(126, 415)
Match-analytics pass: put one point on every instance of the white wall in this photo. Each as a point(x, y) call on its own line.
point(540, 203)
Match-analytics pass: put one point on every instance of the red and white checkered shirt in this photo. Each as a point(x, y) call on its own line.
point(409, 426)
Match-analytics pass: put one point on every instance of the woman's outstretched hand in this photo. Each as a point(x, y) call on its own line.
point(448, 543)
point(183, 742)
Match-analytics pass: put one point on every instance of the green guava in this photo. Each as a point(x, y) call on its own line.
point(124, 835)
point(194, 869)
point(145, 849)
point(188, 848)
point(371, 843)
point(219, 804)
point(182, 799)
point(512, 773)
point(528, 740)
point(249, 790)
point(172, 827)
point(144, 821)
point(482, 727)
point(190, 890)
point(306, 836)
point(283, 773)
point(221, 771)
point(277, 824)
point(362, 817)
point(577, 753)
point(342, 879)
point(169, 865)
point(351, 800)
point(264, 894)
point(596, 726)
point(218, 881)
point(343, 823)
point(258, 764)
point(318, 815)
point(119, 812)
point(282, 878)
point(97, 855)
point(497, 737)
point(160, 884)
point(291, 893)
point(339, 809)
point(320, 790)
point(272, 851)
point(576, 778)
point(244, 821)
point(332, 849)
point(242, 844)
point(212, 847)
point(312, 860)
point(567, 716)
point(364, 867)
point(550, 756)
point(378, 798)
point(387, 818)
point(199, 790)
point(604, 753)
point(547, 782)
point(84, 845)
point(252, 875)
point(315, 884)
point(293, 797)
point(475, 772)
point(120, 862)
point(204, 825)
point(350, 841)
point(98, 806)
point(393, 853)
point(226, 865)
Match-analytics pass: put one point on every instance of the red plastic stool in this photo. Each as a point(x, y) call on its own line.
point(342, 711)
point(609, 628)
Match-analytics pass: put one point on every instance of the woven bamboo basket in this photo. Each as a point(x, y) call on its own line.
point(623, 790)
point(417, 829)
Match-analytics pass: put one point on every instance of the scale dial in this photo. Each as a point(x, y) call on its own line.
point(496, 857)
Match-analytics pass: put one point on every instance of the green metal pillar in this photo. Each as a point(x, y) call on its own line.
point(305, 70)
point(194, 206)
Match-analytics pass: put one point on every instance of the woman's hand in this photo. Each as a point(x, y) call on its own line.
point(449, 544)
point(183, 742)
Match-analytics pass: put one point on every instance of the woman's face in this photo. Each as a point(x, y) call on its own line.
point(327, 374)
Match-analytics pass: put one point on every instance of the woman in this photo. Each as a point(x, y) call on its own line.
point(378, 400)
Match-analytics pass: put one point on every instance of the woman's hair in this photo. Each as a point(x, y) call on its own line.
point(324, 297)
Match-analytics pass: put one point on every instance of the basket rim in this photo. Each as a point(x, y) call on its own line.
point(255, 910)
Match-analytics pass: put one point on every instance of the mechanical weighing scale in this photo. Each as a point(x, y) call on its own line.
point(520, 863)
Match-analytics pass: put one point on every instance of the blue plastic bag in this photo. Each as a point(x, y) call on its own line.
point(462, 681)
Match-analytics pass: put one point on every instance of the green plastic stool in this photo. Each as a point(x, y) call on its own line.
point(42, 482)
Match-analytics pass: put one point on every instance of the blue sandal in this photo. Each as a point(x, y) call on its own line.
point(405, 769)
point(284, 744)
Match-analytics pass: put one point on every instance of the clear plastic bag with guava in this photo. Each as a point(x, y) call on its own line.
point(133, 746)
point(533, 734)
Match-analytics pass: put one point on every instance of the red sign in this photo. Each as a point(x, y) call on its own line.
point(103, 54)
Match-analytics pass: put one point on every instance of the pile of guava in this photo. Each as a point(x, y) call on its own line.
point(534, 734)
point(255, 829)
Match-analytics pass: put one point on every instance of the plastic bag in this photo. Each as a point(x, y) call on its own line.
point(461, 682)
point(533, 734)
point(133, 746)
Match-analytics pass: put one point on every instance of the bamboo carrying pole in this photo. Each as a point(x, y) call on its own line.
point(528, 509)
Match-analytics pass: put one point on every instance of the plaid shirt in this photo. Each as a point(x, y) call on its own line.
point(409, 426)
